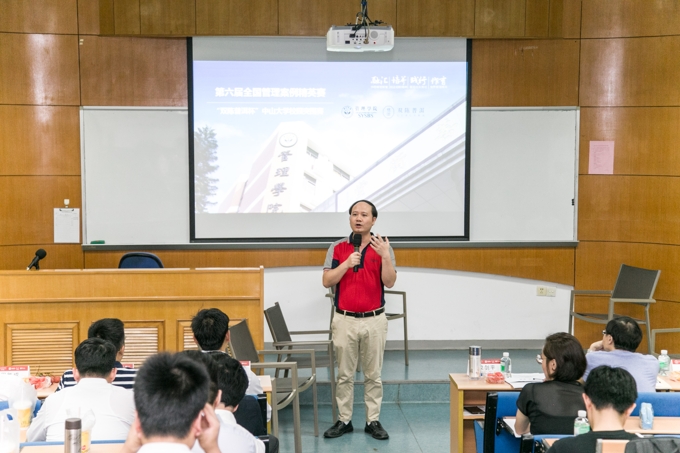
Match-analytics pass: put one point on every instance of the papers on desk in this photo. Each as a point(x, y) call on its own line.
point(510, 425)
point(519, 380)
point(662, 385)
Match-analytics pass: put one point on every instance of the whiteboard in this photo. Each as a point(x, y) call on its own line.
point(135, 171)
point(523, 174)
point(135, 175)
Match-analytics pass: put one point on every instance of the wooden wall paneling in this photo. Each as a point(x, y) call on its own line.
point(39, 16)
point(168, 17)
point(39, 140)
point(666, 314)
point(305, 18)
point(59, 256)
point(537, 18)
point(627, 18)
point(143, 339)
point(107, 18)
point(645, 138)
point(545, 264)
point(500, 18)
point(436, 17)
point(47, 347)
point(215, 258)
point(629, 209)
point(525, 72)
point(630, 72)
point(565, 19)
point(27, 206)
point(88, 17)
point(127, 17)
point(237, 17)
point(133, 71)
point(39, 69)
point(598, 263)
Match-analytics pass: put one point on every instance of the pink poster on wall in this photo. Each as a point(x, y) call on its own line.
point(601, 160)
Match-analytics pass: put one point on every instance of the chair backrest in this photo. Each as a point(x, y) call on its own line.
point(635, 283)
point(140, 260)
point(653, 445)
point(277, 324)
point(242, 343)
point(664, 404)
point(499, 405)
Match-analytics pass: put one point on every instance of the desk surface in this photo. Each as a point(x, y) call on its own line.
point(94, 448)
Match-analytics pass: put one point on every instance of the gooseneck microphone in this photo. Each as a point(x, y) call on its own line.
point(40, 254)
point(356, 241)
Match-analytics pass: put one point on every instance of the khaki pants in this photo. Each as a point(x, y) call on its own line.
point(353, 337)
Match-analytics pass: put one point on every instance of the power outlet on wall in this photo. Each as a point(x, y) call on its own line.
point(546, 291)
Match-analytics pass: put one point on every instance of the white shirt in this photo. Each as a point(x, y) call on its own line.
point(233, 437)
point(163, 447)
point(113, 408)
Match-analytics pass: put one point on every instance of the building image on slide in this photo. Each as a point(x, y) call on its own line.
point(291, 173)
point(294, 173)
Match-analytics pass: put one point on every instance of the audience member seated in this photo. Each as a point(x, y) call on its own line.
point(232, 382)
point(232, 437)
point(210, 327)
point(113, 407)
point(550, 407)
point(109, 329)
point(610, 395)
point(617, 349)
point(170, 394)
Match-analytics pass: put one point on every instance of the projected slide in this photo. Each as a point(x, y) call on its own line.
point(280, 140)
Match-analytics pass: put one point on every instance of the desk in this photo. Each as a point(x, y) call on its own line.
point(465, 391)
point(46, 314)
point(94, 448)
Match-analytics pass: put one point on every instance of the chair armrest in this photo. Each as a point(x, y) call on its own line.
point(390, 291)
point(655, 331)
point(308, 332)
point(302, 343)
point(311, 352)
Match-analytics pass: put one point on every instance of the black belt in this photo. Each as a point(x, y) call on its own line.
point(366, 314)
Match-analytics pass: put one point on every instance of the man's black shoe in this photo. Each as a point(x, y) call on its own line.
point(376, 430)
point(339, 429)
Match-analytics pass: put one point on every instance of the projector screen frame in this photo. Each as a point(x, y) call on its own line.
point(294, 241)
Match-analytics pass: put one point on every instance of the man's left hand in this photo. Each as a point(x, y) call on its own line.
point(381, 246)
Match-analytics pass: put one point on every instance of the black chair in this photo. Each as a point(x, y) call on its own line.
point(140, 260)
point(283, 341)
point(634, 285)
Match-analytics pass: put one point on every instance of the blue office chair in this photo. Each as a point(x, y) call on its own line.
point(140, 260)
point(495, 438)
point(38, 404)
point(664, 404)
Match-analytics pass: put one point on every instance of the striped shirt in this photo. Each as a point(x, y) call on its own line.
point(125, 377)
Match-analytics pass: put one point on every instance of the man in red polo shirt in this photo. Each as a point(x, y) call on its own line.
point(359, 325)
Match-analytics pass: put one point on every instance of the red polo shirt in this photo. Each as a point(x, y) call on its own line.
point(357, 291)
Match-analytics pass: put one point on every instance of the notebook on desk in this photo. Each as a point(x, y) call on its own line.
point(519, 380)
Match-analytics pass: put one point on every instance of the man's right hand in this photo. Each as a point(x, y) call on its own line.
point(353, 260)
point(597, 346)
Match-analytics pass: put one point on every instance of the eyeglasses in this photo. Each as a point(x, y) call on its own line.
point(604, 332)
point(539, 359)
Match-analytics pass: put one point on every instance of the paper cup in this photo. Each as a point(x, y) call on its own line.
point(24, 413)
point(85, 441)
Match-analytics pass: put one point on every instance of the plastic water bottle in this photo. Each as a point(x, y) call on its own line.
point(581, 424)
point(506, 365)
point(664, 363)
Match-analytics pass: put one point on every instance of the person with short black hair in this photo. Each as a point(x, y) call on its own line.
point(620, 340)
point(112, 330)
point(210, 327)
point(170, 394)
point(113, 407)
point(610, 395)
point(550, 407)
point(359, 271)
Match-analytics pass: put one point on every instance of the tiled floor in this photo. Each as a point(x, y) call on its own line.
point(415, 410)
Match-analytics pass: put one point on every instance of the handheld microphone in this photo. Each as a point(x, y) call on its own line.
point(356, 242)
point(40, 254)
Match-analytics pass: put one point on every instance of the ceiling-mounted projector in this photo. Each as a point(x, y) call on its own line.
point(346, 39)
point(364, 35)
